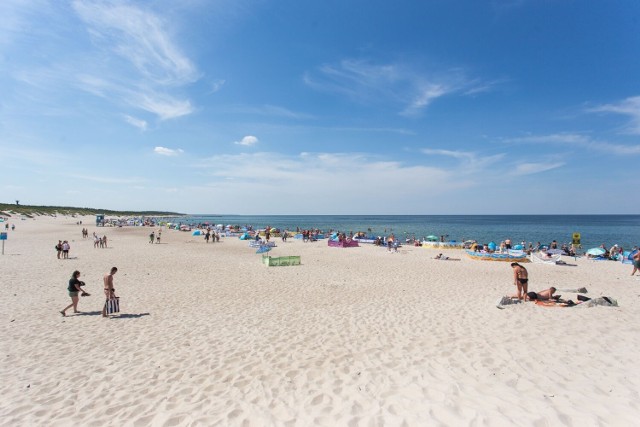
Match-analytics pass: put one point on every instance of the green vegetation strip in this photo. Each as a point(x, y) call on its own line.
point(31, 211)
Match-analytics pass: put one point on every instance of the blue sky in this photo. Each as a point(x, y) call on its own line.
point(331, 107)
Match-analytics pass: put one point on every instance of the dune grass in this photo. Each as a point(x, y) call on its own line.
point(31, 211)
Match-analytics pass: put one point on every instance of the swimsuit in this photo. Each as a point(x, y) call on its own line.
point(523, 281)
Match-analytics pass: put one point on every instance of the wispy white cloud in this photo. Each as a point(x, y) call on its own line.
point(248, 141)
point(471, 162)
point(424, 97)
point(140, 37)
point(629, 107)
point(330, 177)
point(533, 168)
point(579, 140)
point(134, 60)
point(216, 85)
point(139, 123)
point(163, 151)
point(411, 89)
point(164, 106)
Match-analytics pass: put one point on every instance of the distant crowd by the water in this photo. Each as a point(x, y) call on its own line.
point(385, 237)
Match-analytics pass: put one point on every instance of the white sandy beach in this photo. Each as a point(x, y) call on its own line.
point(208, 335)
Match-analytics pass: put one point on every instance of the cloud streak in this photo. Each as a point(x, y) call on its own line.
point(471, 162)
point(163, 151)
point(629, 107)
point(140, 124)
point(125, 34)
point(139, 37)
point(578, 140)
point(411, 90)
point(533, 168)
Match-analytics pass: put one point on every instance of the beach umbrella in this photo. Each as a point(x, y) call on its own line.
point(596, 251)
point(492, 246)
point(432, 238)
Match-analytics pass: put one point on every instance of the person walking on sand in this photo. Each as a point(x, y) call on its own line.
point(109, 291)
point(59, 248)
point(636, 262)
point(158, 236)
point(74, 288)
point(152, 237)
point(520, 279)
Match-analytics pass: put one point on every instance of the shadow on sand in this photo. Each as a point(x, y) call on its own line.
point(131, 316)
point(115, 316)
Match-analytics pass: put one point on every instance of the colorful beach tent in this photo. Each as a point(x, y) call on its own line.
point(196, 233)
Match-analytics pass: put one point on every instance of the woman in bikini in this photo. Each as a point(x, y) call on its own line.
point(520, 279)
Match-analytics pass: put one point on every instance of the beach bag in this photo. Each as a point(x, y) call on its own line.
point(113, 305)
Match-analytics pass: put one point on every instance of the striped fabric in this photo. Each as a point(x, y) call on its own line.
point(113, 305)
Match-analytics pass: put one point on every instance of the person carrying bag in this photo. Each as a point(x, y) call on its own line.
point(112, 303)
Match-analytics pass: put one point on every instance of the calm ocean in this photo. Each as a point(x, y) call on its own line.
point(594, 229)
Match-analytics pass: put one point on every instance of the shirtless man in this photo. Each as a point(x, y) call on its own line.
point(520, 279)
point(109, 292)
point(545, 295)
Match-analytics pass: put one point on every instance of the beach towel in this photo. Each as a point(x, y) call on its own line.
point(502, 302)
point(555, 303)
point(603, 301)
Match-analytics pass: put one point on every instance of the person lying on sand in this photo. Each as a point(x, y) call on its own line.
point(545, 295)
point(445, 258)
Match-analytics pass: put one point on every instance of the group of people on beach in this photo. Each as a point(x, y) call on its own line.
point(212, 235)
point(521, 281)
point(99, 242)
point(62, 248)
point(153, 237)
point(75, 290)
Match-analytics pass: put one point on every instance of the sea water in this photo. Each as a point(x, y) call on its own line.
point(594, 230)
